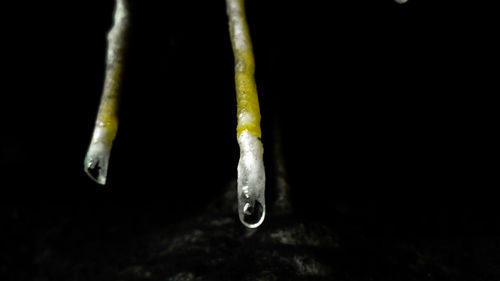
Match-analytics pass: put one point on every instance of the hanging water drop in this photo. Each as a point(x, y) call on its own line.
point(253, 215)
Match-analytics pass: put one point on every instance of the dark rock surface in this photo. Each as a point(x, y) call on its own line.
point(68, 243)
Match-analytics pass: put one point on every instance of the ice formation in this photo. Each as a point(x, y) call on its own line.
point(96, 162)
point(251, 181)
point(106, 126)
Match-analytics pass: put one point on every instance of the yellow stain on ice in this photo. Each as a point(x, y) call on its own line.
point(247, 103)
point(248, 111)
point(108, 109)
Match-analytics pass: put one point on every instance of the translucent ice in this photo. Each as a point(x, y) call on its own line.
point(96, 161)
point(251, 180)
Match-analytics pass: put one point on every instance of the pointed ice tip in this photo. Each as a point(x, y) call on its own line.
point(96, 163)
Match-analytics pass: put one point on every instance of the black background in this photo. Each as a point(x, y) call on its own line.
point(380, 107)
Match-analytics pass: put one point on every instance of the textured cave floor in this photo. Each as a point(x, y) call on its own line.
point(106, 243)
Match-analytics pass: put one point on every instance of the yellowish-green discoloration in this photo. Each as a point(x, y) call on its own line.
point(248, 111)
point(108, 109)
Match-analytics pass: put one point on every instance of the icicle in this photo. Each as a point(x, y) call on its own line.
point(106, 125)
point(251, 176)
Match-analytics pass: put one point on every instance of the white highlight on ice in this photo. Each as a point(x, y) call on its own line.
point(236, 15)
point(245, 118)
point(401, 1)
point(251, 180)
point(116, 33)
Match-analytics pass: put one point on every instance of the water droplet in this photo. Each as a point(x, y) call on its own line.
point(253, 215)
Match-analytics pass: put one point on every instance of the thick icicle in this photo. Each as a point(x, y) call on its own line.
point(251, 176)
